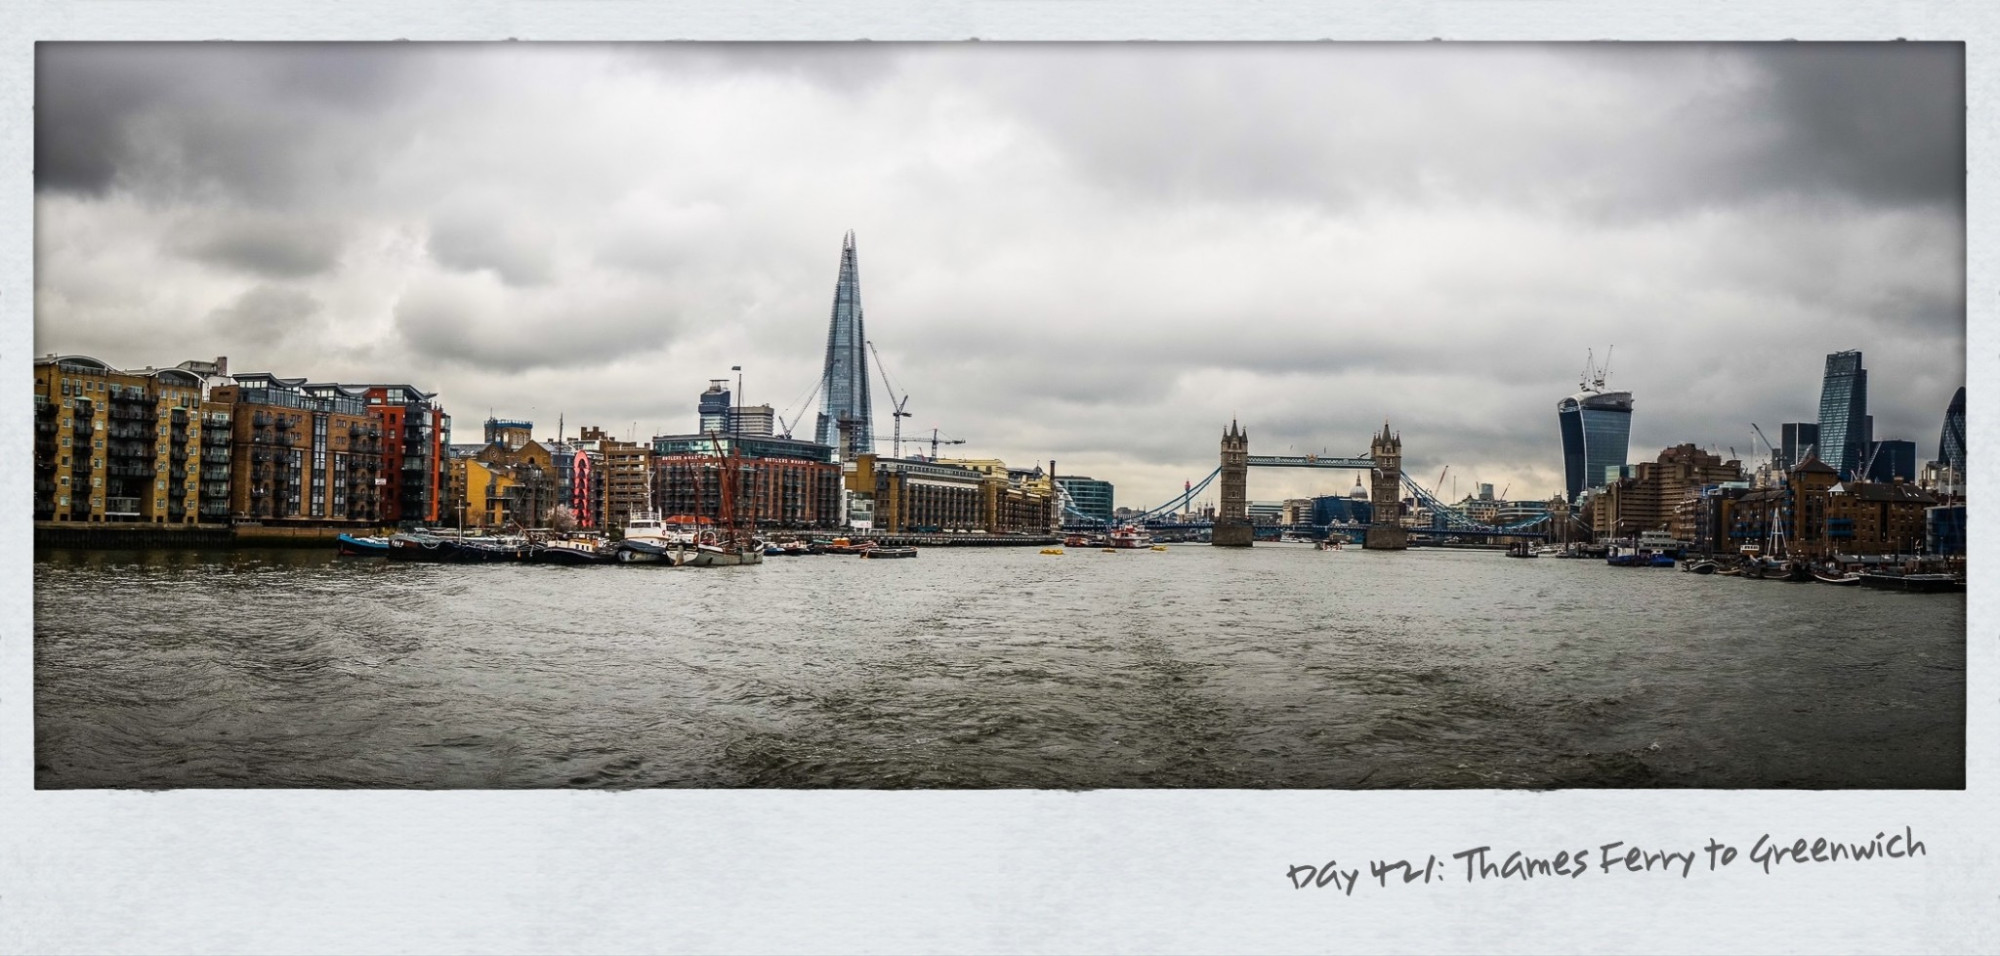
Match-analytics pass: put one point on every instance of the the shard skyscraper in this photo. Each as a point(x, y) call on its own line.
point(844, 385)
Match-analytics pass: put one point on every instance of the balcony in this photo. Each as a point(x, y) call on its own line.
point(122, 507)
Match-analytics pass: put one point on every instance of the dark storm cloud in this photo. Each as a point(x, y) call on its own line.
point(1882, 128)
point(256, 120)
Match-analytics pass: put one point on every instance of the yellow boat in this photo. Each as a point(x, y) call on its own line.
point(1159, 547)
point(1110, 550)
point(1052, 551)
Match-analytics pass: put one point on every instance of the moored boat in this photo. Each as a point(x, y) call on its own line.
point(1521, 549)
point(1702, 566)
point(573, 551)
point(1844, 578)
point(363, 547)
point(890, 552)
point(646, 551)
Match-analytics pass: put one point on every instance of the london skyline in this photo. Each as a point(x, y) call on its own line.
point(1096, 254)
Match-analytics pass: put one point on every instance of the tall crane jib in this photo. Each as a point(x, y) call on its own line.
point(899, 403)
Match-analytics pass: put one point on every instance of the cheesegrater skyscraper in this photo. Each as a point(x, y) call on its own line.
point(844, 383)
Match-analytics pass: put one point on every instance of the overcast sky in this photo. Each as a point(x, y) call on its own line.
point(1098, 254)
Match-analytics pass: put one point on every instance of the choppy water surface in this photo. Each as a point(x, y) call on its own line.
point(1196, 667)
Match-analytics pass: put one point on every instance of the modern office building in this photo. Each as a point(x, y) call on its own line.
point(753, 421)
point(844, 403)
point(714, 408)
point(1796, 440)
point(1088, 495)
point(1892, 460)
point(1951, 443)
point(1843, 413)
point(1596, 433)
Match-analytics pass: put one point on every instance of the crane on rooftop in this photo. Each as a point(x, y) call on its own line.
point(936, 441)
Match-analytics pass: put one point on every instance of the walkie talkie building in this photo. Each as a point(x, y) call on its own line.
point(1596, 432)
point(844, 383)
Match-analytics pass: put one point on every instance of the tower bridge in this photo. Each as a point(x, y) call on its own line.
point(1384, 464)
point(1387, 482)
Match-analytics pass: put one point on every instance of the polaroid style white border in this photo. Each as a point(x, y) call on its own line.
point(1010, 871)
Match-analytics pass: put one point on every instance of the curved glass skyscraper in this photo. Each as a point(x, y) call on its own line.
point(1843, 413)
point(1951, 444)
point(1597, 433)
point(844, 387)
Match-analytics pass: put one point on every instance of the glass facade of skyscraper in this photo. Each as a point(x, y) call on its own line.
point(844, 385)
point(1843, 413)
point(1596, 433)
point(1089, 495)
point(1951, 444)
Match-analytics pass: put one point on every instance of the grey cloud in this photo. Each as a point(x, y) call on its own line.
point(469, 242)
point(277, 246)
point(267, 316)
point(474, 325)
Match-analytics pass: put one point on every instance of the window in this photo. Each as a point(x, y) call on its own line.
point(65, 441)
point(96, 482)
point(64, 501)
point(63, 480)
point(65, 461)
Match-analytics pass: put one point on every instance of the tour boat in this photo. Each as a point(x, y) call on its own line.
point(1129, 537)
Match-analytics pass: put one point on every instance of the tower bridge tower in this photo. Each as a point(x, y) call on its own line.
point(1385, 493)
point(1232, 520)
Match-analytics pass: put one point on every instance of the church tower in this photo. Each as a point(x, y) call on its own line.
point(1232, 520)
point(1385, 493)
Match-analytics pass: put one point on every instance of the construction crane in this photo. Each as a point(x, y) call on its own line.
point(1761, 437)
point(936, 441)
point(898, 403)
point(1440, 482)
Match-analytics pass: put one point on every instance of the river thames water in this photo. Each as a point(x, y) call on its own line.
point(1273, 667)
